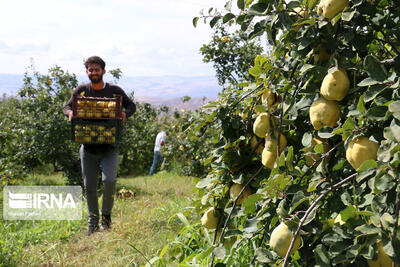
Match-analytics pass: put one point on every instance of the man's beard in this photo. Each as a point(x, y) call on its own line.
point(96, 78)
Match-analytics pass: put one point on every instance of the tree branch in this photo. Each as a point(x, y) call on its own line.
point(320, 159)
point(233, 207)
point(246, 95)
point(396, 215)
point(313, 205)
point(259, 245)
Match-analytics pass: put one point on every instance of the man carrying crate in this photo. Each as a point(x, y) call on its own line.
point(99, 156)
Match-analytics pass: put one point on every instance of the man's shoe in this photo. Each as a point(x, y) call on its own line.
point(106, 221)
point(92, 228)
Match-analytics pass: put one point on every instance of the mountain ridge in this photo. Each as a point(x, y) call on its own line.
point(155, 90)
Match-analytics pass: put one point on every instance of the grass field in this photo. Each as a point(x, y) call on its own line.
point(142, 226)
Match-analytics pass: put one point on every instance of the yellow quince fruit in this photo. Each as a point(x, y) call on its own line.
point(281, 237)
point(271, 142)
point(228, 242)
point(225, 39)
point(235, 190)
point(272, 98)
point(261, 125)
point(335, 85)
point(330, 8)
point(312, 156)
point(269, 154)
point(324, 112)
point(361, 149)
point(268, 158)
point(254, 142)
point(321, 55)
point(209, 220)
point(339, 220)
point(301, 13)
point(383, 259)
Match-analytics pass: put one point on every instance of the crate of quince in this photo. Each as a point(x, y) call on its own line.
point(95, 131)
point(96, 107)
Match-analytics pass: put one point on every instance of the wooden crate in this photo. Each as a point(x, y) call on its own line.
point(96, 108)
point(96, 131)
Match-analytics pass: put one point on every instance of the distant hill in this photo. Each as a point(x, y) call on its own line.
point(171, 86)
point(176, 102)
point(156, 90)
point(10, 83)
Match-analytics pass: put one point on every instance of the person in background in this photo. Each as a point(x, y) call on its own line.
point(99, 156)
point(160, 142)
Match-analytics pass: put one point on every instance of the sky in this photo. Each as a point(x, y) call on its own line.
point(142, 38)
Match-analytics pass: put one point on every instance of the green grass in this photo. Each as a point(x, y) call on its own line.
point(142, 226)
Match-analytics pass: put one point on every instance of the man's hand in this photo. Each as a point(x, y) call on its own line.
point(123, 117)
point(70, 115)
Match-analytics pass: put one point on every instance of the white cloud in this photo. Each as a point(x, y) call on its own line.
point(139, 37)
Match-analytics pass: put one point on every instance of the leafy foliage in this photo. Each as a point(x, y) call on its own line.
point(232, 54)
point(35, 128)
point(363, 40)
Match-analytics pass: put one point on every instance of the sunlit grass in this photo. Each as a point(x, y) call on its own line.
point(141, 227)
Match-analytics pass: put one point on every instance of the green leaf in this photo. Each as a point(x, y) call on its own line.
point(205, 253)
point(348, 15)
point(281, 211)
point(395, 109)
point(392, 132)
point(360, 105)
point(214, 21)
point(195, 20)
point(375, 69)
point(228, 6)
point(249, 204)
point(365, 213)
point(367, 229)
point(368, 164)
point(250, 225)
point(260, 108)
point(377, 113)
point(205, 182)
point(321, 255)
point(311, 3)
point(396, 249)
point(208, 160)
point(373, 91)
point(263, 255)
point(306, 68)
point(255, 71)
point(258, 9)
point(311, 216)
point(339, 165)
point(289, 158)
point(241, 4)
point(306, 140)
point(349, 212)
point(346, 198)
point(183, 219)
point(325, 133)
point(387, 221)
point(349, 124)
point(228, 17)
point(298, 199)
point(361, 175)
point(312, 186)
point(384, 182)
point(368, 82)
point(319, 148)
